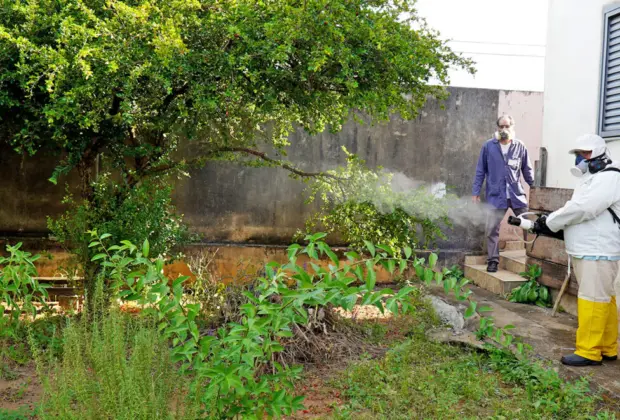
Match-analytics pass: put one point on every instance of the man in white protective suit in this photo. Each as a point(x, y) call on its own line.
point(592, 237)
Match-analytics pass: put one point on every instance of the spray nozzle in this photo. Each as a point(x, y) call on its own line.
point(519, 221)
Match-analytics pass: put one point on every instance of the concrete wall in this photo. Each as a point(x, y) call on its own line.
point(572, 82)
point(237, 204)
point(231, 203)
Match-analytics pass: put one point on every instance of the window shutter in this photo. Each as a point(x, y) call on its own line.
point(609, 125)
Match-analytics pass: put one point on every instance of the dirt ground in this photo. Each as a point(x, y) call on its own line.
point(23, 391)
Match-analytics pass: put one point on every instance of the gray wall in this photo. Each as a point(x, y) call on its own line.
point(231, 203)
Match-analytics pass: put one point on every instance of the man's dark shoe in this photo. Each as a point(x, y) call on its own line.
point(492, 267)
point(610, 358)
point(575, 360)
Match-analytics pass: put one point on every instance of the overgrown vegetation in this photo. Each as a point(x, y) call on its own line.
point(130, 94)
point(532, 291)
point(368, 207)
point(421, 379)
point(164, 362)
point(19, 292)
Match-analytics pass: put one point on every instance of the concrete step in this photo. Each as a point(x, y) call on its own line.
point(508, 260)
point(513, 261)
point(500, 283)
point(512, 246)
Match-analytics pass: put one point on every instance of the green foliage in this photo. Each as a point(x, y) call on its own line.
point(531, 292)
point(368, 207)
point(19, 289)
point(454, 271)
point(114, 367)
point(549, 395)
point(145, 88)
point(238, 370)
point(22, 413)
point(134, 214)
point(128, 78)
point(422, 379)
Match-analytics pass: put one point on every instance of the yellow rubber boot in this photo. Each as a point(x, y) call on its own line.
point(592, 317)
point(609, 346)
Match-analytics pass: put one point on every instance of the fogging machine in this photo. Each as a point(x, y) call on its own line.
point(538, 227)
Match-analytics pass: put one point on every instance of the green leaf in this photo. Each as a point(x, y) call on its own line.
point(471, 310)
point(146, 248)
point(293, 250)
point(439, 278)
point(402, 266)
point(428, 276)
point(432, 260)
point(98, 257)
point(370, 247)
point(407, 252)
point(371, 276)
point(387, 249)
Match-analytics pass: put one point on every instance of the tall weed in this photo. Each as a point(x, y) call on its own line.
point(113, 366)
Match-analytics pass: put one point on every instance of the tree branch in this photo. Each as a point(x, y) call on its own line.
point(247, 151)
point(174, 94)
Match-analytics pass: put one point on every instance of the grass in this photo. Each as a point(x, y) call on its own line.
point(116, 367)
point(421, 379)
point(19, 414)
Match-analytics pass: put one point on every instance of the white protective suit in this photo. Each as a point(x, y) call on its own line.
point(590, 231)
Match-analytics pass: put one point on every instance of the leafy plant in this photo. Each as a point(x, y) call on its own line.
point(142, 212)
point(126, 93)
point(239, 370)
point(531, 292)
point(19, 288)
point(112, 366)
point(368, 208)
point(454, 271)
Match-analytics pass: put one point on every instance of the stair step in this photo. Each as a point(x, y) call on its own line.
point(508, 260)
point(500, 283)
point(475, 259)
point(513, 261)
point(513, 246)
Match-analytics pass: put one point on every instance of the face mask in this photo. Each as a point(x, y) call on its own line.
point(581, 166)
point(503, 135)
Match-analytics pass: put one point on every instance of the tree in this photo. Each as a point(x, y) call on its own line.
point(145, 89)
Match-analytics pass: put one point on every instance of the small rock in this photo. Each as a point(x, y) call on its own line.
point(447, 313)
point(464, 338)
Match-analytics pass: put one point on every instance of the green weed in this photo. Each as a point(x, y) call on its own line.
point(421, 379)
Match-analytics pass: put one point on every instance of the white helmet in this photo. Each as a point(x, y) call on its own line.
point(590, 143)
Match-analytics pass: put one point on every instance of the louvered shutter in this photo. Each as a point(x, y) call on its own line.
point(609, 125)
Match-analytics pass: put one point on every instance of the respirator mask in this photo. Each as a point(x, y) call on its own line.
point(503, 134)
point(583, 165)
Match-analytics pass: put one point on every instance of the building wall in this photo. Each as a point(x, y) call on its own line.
point(235, 204)
point(572, 82)
point(527, 110)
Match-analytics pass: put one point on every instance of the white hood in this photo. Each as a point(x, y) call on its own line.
point(591, 142)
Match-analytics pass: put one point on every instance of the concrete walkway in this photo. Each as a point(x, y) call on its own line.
point(549, 337)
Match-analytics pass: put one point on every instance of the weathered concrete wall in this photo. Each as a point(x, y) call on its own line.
point(231, 203)
point(442, 145)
